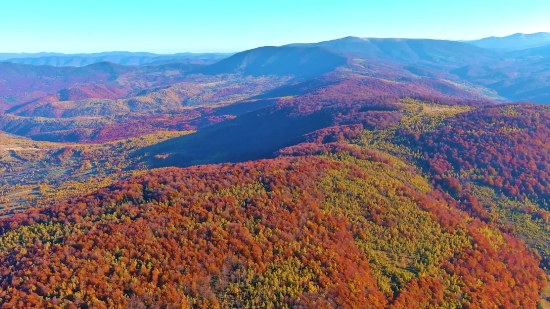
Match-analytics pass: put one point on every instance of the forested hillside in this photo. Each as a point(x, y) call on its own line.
point(313, 231)
point(215, 235)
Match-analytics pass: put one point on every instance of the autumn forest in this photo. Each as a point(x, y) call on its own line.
point(352, 173)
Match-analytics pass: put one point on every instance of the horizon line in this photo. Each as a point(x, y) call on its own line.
point(54, 53)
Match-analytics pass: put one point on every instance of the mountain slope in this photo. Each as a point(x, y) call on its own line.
point(279, 61)
point(22, 83)
point(335, 230)
point(25, 86)
point(517, 80)
point(346, 100)
point(538, 52)
point(122, 58)
point(6, 56)
point(434, 52)
point(513, 42)
point(199, 90)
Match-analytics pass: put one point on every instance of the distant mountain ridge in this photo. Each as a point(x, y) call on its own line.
point(117, 57)
point(539, 52)
point(22, 83)
point(516, 75)
point(518, 41)
point(6, 56)
point(435, 52)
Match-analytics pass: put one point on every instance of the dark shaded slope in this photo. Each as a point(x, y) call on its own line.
point(252, 136)
point(271, 124)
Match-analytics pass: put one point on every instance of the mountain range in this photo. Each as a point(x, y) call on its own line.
point(352, 173)
point(123, 58)
point(518, 41)
point(370, 46)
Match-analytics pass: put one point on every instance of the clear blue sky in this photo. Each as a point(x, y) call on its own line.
point(167, 26)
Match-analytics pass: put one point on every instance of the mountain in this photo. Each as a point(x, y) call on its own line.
point(6, 56)
point(23, 83)
point(97, 100)
point(516, 79)
point(26, 85)
point(536, 52)
point(435, 53)
point(518, 41)
point(123, 58)
point(279, 61)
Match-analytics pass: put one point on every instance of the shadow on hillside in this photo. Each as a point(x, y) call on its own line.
point(255, 135)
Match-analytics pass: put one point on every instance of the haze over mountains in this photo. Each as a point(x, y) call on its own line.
point(518, 41)
point(397, 49)
point(123, 58)
point(512, 75)
point(427, 52)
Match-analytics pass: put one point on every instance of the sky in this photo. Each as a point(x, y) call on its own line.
point(170, 26)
